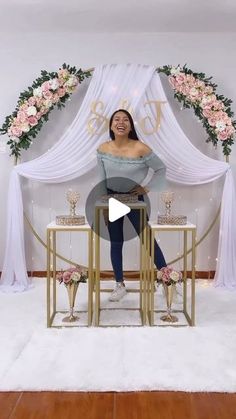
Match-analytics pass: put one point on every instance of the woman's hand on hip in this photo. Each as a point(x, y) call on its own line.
point(139, 190)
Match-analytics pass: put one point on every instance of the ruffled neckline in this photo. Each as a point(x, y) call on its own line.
point(124, 158)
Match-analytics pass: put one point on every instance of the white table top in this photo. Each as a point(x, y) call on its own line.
point(188, 226)
point(54, 226)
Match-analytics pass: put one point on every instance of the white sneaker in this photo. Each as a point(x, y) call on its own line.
point(118, 292)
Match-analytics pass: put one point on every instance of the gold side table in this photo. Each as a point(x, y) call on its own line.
point(188, 228)
point(141, 206)
point(52, 230)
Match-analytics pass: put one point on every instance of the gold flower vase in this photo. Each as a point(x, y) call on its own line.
point(169, 292)
point(71, 290)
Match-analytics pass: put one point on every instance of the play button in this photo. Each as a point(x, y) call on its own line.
point(119, 210)
point(116, 209)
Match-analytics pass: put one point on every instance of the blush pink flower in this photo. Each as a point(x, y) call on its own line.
point(180, 78)
point(32, 101)
point(61, 92)
point(22, 116)
point(45, 86)
point(212, 121)
point(15, 131)
point(47, 94)
point(223, 135)
point(66, 277)
point(33, 120)
point(207, 113)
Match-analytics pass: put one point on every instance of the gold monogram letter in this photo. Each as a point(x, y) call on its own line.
point(157, 124)
point(98, 123)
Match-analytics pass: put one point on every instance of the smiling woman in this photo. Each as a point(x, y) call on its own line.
point(123, 161)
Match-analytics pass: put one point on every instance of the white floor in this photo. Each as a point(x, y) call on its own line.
point(202, 358)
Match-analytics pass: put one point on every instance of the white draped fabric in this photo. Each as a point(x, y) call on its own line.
point(185, 164)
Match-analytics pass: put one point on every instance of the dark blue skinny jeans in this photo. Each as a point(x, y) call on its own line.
point(116, 233)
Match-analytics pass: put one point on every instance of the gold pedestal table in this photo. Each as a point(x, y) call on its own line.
point(141, 206)
point(154, 229)
point(52, 230)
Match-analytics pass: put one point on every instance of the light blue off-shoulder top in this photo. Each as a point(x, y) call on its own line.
point(113, 168)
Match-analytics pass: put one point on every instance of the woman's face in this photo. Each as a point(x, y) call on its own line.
point(120, 124)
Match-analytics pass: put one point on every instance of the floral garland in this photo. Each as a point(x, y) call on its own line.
point(35, 104)
point(194, 90)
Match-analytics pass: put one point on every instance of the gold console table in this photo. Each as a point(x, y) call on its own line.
point(141, 206)
point(185, 229)
point(52, 230)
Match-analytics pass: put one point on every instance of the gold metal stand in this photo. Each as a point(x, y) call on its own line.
point(153, 229)
point(52, 229)
point(141, 206)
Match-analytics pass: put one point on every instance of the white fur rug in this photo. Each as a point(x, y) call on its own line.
point(202, 358)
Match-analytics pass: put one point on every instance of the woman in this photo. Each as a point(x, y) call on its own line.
point(127, 155)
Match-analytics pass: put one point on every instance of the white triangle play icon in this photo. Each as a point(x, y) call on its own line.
point(117, 209)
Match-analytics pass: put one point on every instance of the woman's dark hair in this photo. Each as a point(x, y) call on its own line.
point(132, 133)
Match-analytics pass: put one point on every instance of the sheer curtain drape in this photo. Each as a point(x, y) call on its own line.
point(111, 84)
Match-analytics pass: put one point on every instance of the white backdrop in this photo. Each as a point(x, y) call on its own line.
point(199, 50)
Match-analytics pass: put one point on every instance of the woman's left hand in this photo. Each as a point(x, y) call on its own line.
point(139, 190)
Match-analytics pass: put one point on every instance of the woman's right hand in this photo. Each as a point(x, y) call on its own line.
point(105, 216)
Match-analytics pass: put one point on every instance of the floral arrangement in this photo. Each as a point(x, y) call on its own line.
point(72, 275)
point(33, 107)
point(194, 90)
point(169, 276)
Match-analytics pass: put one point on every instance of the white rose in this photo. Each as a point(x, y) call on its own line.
point(47, 103)
point(220, 126)
point(31, 111)
point(174, 276)
point(38, 92)
point(25, 127)
point(193, 91)
point(75, 277)
point(54, 84)
point(159, 275)
point(175, 70)
point(72, 81)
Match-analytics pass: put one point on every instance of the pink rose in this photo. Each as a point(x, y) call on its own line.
point(223, 135)
point(230, 130)
point(207, 113)
point(66, 277)
point(16, 131)
point(33, 120)
point(213, 120)
point(180, 78)
point(39, 115)
point(45, 86)
point(47, 94)
point(21, 116)
point(172, 81)
point(61, 92)
point(32, 101)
